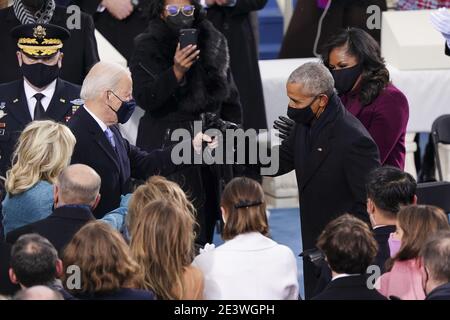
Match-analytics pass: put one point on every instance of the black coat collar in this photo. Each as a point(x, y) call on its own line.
point(384, 230)
point(350, 281)
point(322, 144)
point(77, 212)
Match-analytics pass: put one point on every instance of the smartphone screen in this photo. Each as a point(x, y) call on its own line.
point(187, 37)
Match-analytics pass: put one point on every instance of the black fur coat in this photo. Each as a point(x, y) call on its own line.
point(168, 105)
point(208, 85)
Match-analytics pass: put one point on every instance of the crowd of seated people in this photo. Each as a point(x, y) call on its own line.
point(149, 251)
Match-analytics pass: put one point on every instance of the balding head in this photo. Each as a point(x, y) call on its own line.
point(104, 88)
point(78, 184)
point(38, 293)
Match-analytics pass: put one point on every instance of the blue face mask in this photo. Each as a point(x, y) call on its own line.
point(126, 109)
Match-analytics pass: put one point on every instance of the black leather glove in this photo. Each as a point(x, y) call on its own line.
point(284, 126)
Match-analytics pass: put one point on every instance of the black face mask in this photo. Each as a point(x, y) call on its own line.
point(304, 116)
point(34, 4)
point(180, 21)
point(39, 74)
point(345, 79)
point(125, 111)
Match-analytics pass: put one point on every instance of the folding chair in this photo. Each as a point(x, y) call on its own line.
point(440, 132)
point(434, 193)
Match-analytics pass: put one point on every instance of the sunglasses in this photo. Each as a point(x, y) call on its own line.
point(173, 10)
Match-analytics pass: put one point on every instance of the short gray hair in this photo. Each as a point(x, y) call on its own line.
point(315, 77)
point(436, 256)
point(102, 77)
point(79, 184)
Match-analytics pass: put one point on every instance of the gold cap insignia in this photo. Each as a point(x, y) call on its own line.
point(39, 32)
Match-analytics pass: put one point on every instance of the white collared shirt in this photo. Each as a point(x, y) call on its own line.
point(379, 226)
point(31, 100)
point(102, 125)
point(344, 275)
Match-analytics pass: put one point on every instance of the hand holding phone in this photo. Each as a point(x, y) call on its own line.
point(184, 59)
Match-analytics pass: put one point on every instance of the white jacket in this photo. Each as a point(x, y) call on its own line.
point(249, 267)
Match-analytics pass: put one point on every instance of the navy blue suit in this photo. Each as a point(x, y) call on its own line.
point(15, 115)
point(440, 293)
point(349, 288)
point(115, 167)
point(58, 228)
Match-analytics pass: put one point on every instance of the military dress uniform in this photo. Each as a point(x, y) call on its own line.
point(16, 100)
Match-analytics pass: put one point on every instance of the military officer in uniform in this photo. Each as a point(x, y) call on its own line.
point(40, 94)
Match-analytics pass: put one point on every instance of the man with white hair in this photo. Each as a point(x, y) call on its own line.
point(331, 152)
point(107, 93)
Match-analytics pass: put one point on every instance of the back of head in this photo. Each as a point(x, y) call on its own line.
point(163, 242)
point(102, 77)
point(348, 245)
point(38, 293)
point(33, 260)
point(418, 223)
point(78, 184)
point(43, 150)
point(245, 208)
point(103, 258)
point(156, 188)
point(436, 257)
point(315, 78)
point(390, 188)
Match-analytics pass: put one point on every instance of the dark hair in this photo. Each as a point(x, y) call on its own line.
point(375, 75)
point(348, 245)
point(418, 224)
point(243, 201)
point(436, 256)
point(33, 260)
point(152, 9)
point(389, 188)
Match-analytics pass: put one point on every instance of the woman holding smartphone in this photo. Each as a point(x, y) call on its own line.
point(176, 85)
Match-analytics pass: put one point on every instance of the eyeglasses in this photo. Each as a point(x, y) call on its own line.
point(173, 10)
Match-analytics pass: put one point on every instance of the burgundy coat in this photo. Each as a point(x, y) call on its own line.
point(386, 119)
